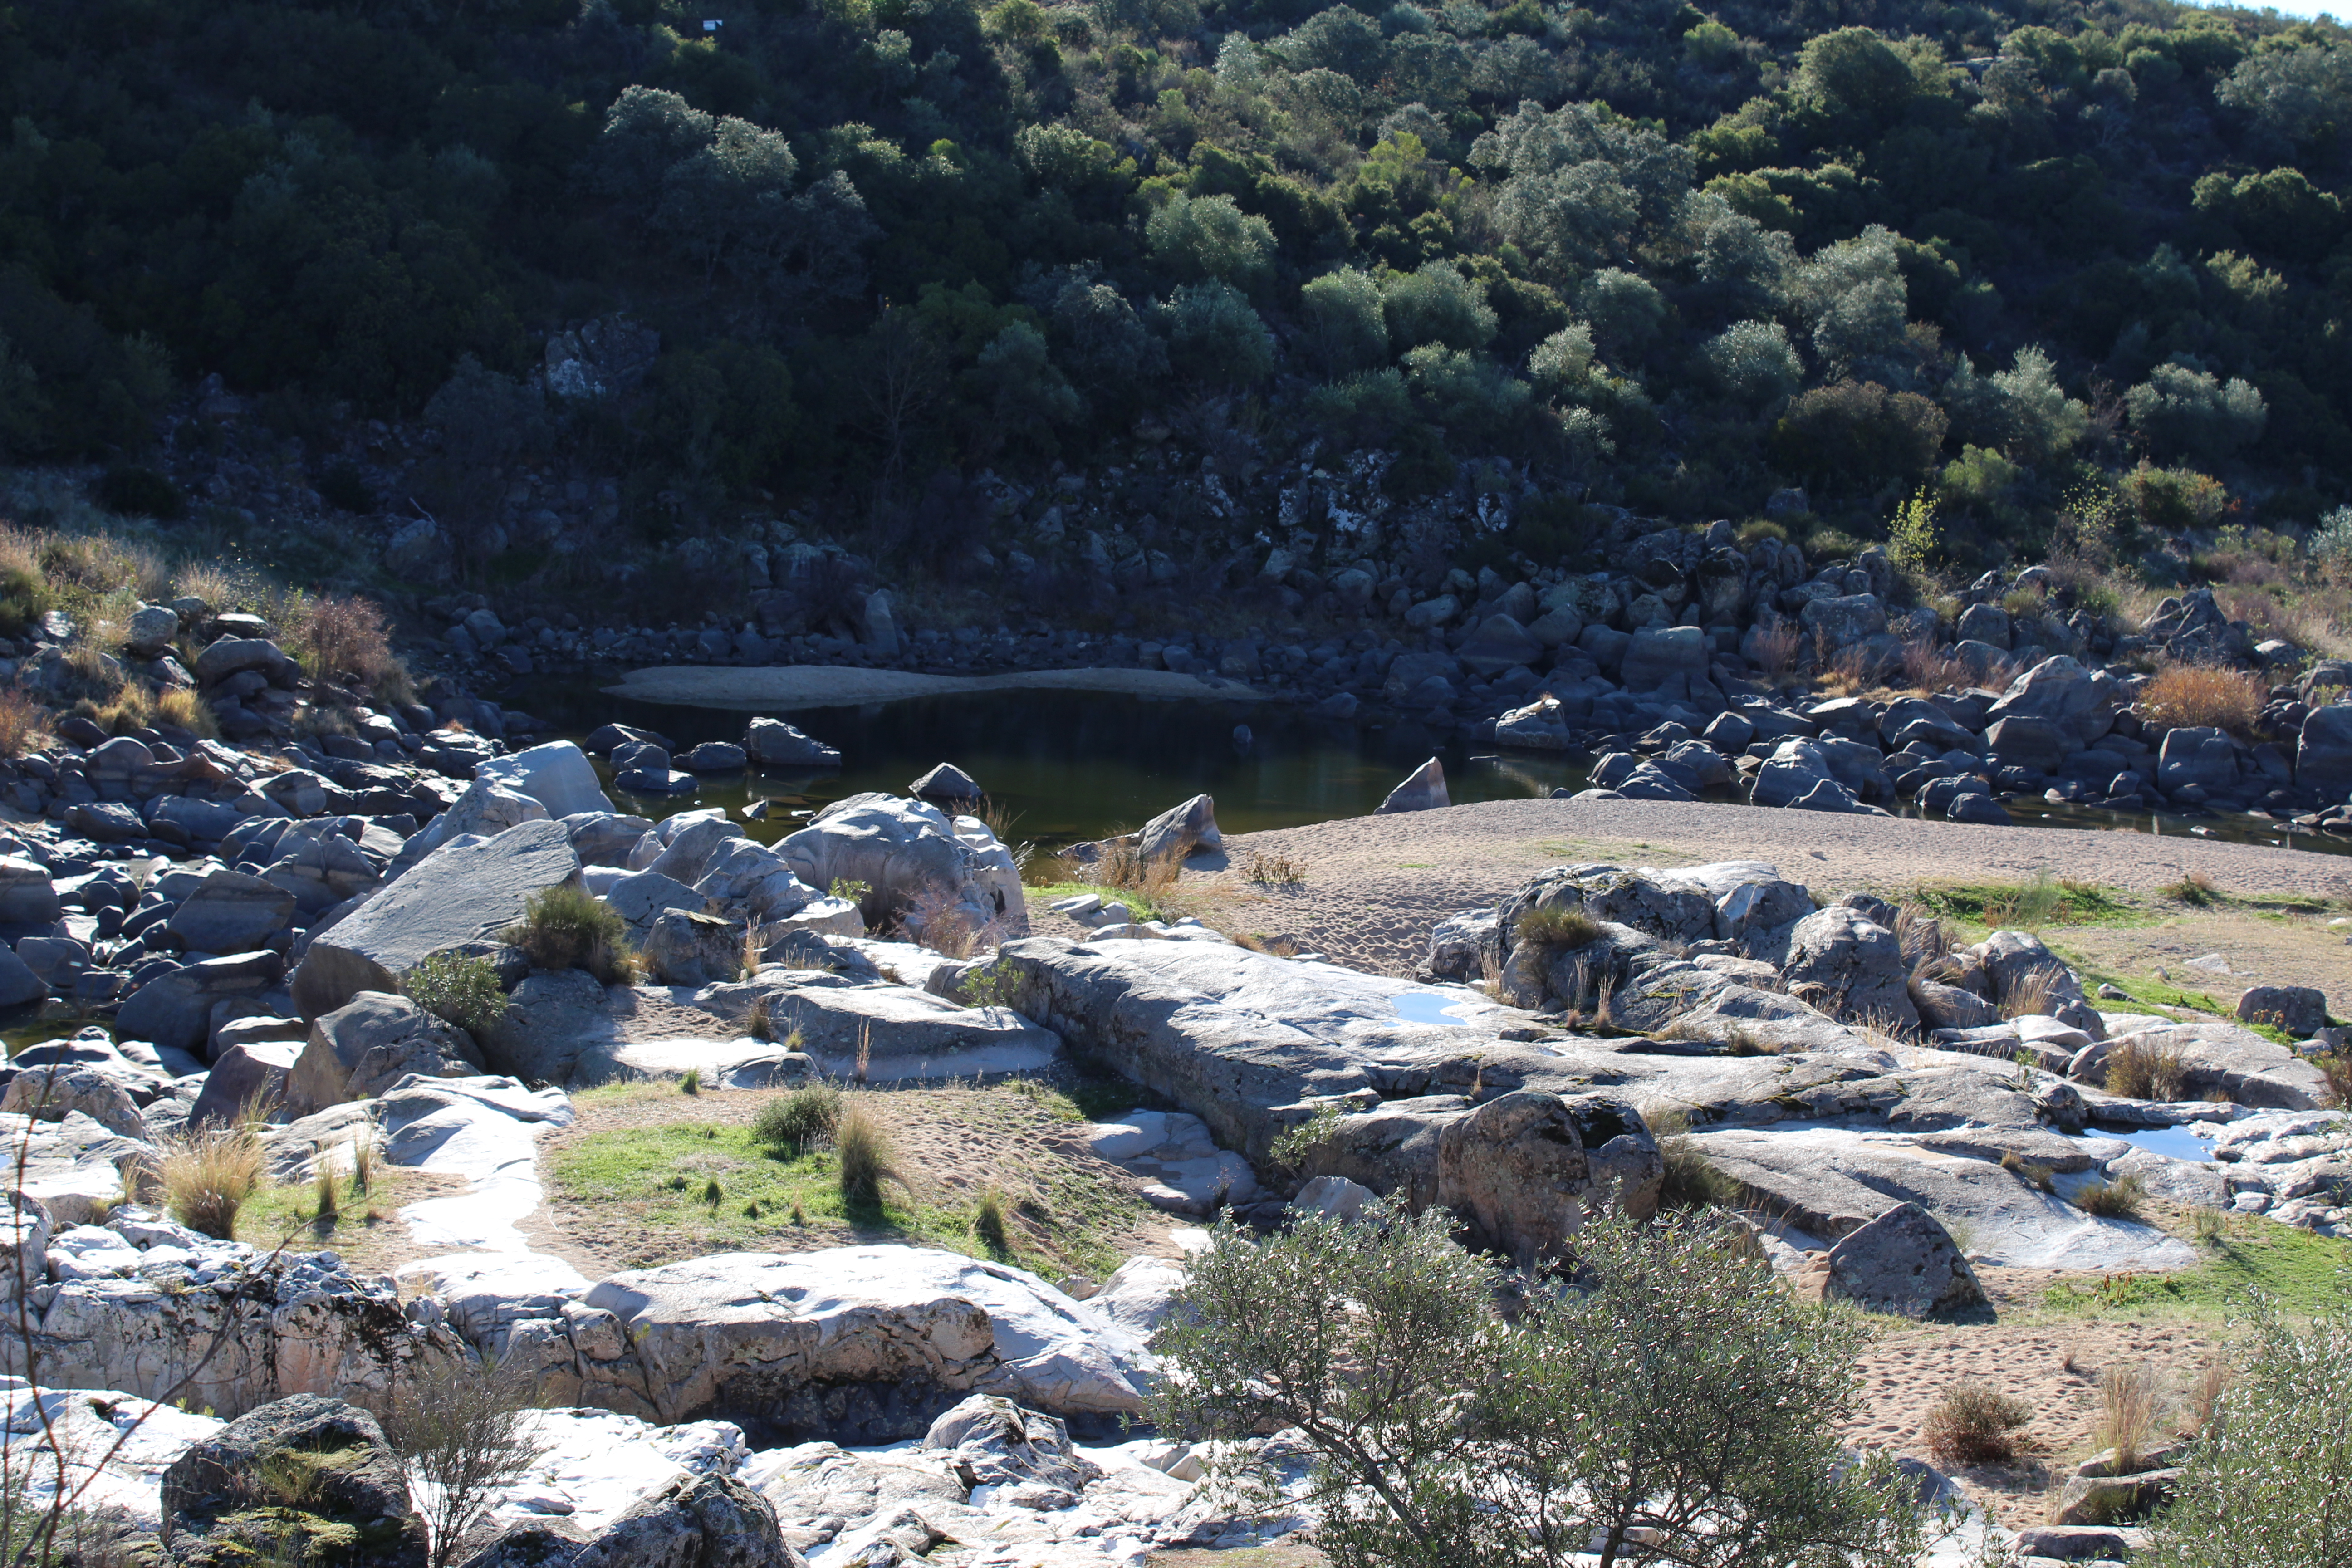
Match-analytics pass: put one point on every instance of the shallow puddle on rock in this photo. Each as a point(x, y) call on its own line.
point(1427, 1007)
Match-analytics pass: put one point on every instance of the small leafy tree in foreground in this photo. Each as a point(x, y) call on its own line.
point(1668, 1404)
point(2270, 1483)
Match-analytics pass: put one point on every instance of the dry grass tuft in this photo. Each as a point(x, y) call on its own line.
point(2128, 1407)
point(1692, 1180)
point(865, 1159)
point(1927, 669)
point(2200, 696)
point(2033, 993)
point(184, 710)
point(1775, 647)
point(570, 928)
point(22, 722)
point(207, 1176)
point(1557, 930)
point(1975, 1424)
point(2118, 1199)
point(1922, 938)
point(2146, 1069)
point(806, 1116)
point(1265, 870)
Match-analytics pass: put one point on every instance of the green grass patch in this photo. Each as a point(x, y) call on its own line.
point(2030, 906)
point(2163, 994)
point(2298, 1269)
point(687, 1188)
point(1139, 905)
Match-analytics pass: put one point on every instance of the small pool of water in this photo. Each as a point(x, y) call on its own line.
point(1426, 1007)
point(1071, 766)
point(2176, 1142)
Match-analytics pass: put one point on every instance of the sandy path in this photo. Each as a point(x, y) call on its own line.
point(1376, 884)
point(836, 686)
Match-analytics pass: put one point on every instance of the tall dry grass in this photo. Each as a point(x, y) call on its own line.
point(1775, 647)
point(207, 1176)
point(862, 1148)
point(2200, 696)
point(22, 722)
point(2139, 1070)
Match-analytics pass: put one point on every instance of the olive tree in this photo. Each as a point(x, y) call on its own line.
point(1755, 362)
point(1437, 304)
point(1346, 320)
point(2183, 408)
point(2270, 1481)
point(1209, 236)
point(1665, 1402)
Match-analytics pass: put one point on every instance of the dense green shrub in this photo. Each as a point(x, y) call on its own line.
point(1668, 1396)
point(460, 988)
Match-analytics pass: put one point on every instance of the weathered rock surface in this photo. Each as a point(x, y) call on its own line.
point(879, 1340)
point(463, 893)
point(913, 860)
point(1903, 1263)
point(352, 1485)
point(371, 1042)
point(177, 1009)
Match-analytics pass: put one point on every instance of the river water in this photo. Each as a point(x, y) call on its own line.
point(1072, 765)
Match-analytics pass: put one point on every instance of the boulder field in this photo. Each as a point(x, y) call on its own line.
point(1892, 1111)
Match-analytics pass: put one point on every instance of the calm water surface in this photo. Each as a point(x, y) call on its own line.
point(1071, 766)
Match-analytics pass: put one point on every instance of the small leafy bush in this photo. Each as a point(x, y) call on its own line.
point(1975, 1424)
point(460, 989)
point(2267, 1479)
point(566, 927)
point(1443, 1435)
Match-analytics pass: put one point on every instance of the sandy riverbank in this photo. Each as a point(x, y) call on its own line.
point(791, 686)
point(1376, 884)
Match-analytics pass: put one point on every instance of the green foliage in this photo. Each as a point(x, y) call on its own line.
point(1675, 1394)
point(1213, 336)
point(2183, 409)
point(2266, 1482)
point(805, 1116)
point(1914, 539)
point(567, 927)
point(1210, 238)
point(460, 989)
point(1788, 226)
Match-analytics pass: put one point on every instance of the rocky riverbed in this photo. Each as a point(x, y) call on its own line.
point(222, 932)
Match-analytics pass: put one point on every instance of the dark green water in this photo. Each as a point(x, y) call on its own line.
point(1079, 764)
point(1071, 766)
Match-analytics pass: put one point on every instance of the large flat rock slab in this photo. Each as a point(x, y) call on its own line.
point(764, 1339)
point(1831, 1181)
point(877, 1033)
point(459, 894)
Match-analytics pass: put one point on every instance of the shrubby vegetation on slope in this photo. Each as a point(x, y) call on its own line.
point(2070, 266)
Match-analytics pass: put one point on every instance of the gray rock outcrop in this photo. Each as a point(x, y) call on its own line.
point(463, 893)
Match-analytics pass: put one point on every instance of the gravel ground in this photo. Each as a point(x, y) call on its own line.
point(1375, 884)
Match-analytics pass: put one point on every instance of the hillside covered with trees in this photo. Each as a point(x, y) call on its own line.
point(2067, 269)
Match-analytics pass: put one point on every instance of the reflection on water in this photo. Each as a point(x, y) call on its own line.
point(1079, 764)
point(1071, 765)
point(2176, 1142)
point(1426, 1007)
